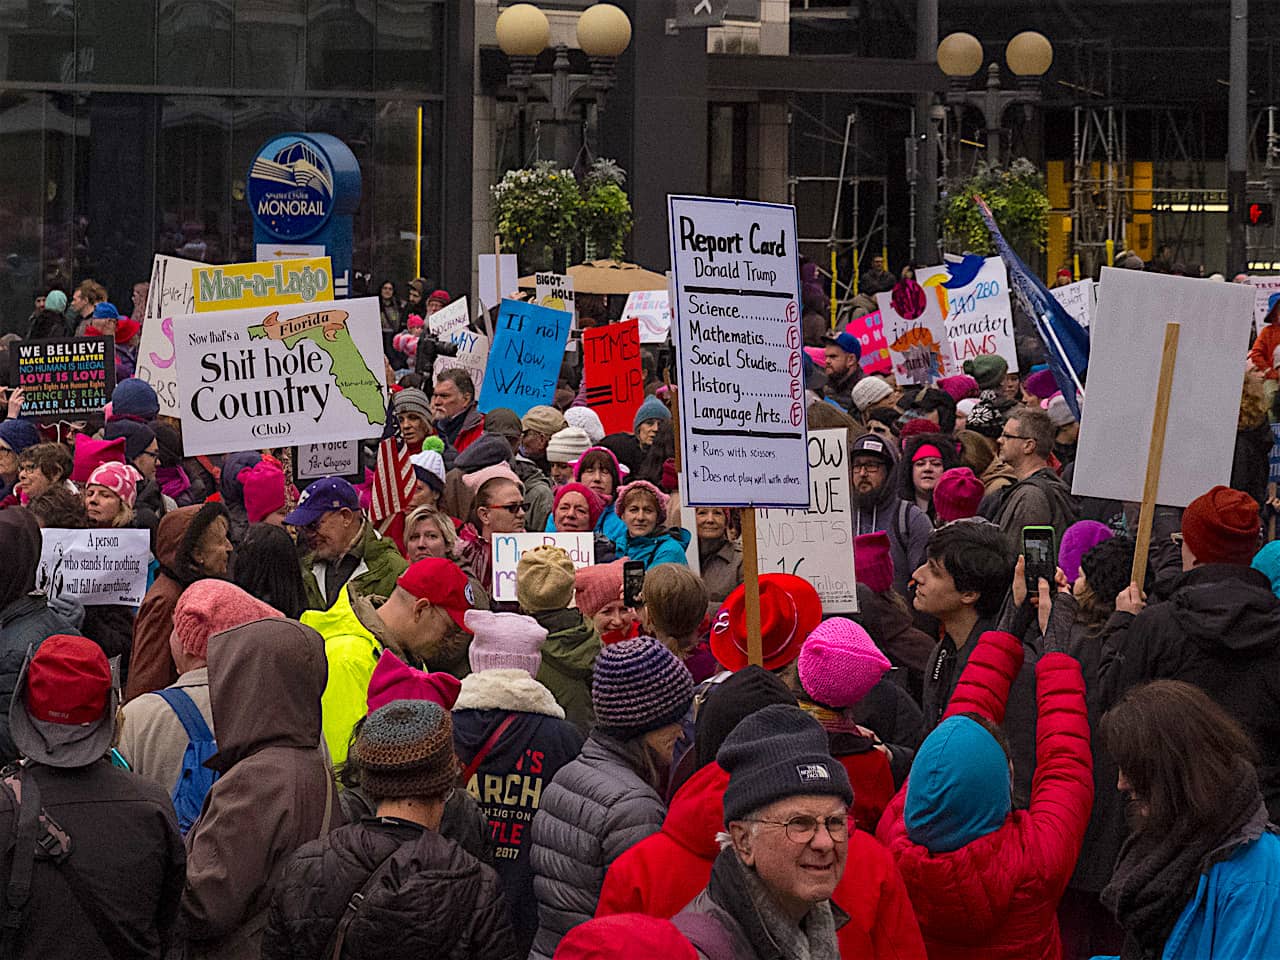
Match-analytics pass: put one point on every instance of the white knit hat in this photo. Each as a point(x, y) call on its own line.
point(567, 445)
point(869, 391)
point(586, 420)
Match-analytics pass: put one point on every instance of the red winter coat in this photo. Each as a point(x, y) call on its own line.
point(997, 897)
point(663, 872)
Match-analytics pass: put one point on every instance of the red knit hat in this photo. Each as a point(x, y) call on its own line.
point(91, 454)
point(918, 425)
point(1221, 526)
point(957, 494)
point(872, 560)
point(598, 586)
point(393, 679)
point(213, 606)
point(629, 935)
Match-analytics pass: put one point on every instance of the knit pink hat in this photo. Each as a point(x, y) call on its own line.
point(839, 663)
point(474, 481)
point(873, 561)
point(957, 494)
point(212, 606)
point(598, 586)
point(91, 453)
point(504, 641)
point(393, 679)
point(661, 498)
point(120, 478)
point(960, 387)
point(263, 485)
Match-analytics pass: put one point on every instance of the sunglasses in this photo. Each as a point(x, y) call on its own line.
point(509, 507)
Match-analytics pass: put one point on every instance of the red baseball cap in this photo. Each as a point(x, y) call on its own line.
point(441, 582)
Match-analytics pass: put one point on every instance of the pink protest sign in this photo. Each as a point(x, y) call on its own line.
point(869, 329)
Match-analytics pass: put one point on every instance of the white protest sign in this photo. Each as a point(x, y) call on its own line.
point(1124, 371)
point(316, 460)
point(738, 347)
point(508, 278)
point(916, 332)
point(449, 319)
point(473, 356)
point(979, 316)
point(653, 309)
point(509, 547)
point(817, 543)
point(555, 290)
point(1079, 299)
point(1263, 289)
point(94, 567)
point(172, 293)
point(308, 373)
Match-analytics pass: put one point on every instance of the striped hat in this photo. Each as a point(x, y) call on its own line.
point(639, 685)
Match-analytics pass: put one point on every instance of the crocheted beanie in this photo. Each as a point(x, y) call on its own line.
point(405, 749)
point(639, 685)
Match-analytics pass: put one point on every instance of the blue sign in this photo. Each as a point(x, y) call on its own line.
point(525, 357)
point(1273, 461)
point(302, 191)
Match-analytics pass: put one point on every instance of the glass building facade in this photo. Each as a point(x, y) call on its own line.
point(127, 128)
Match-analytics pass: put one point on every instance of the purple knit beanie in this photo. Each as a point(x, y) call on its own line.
point(1077, 540)
point(639, 685)
point(840, 663)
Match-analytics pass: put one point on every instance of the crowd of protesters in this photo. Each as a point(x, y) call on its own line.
point(320, 735)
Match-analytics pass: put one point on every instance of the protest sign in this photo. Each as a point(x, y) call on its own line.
point(1263, 288)
point(975, 303)
point(507, 277)
point(449, 319)
point(869, 329)
point(1124, 370)
point(286, 376)
point(171, 294)
point(738, 347)
point(555, 290)
point(63, 378)
point(1079, 299)
point(816, 543)
point(653, 309)
point(312, 461)
point(916, 331)
point(472, 356)
point(611, 369)
point(94, 567)
point(1273, 458)
point(270, 283)
point(524, 358)
point(507, 549)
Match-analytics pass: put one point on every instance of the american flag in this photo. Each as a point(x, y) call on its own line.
point(393, 478)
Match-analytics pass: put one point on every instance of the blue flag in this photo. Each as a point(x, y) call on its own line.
point(1066, 342)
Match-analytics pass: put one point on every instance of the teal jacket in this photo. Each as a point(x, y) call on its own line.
point(666, 546)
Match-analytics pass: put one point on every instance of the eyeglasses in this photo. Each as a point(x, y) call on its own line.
point(876, 467)
point(1014, 436)
point(154, 454)
point(509, 507)
point(804, 829)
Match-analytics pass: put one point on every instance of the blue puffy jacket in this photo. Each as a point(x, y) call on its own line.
point(666, 546)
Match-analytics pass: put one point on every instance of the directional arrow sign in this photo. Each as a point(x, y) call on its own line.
point(700, 13)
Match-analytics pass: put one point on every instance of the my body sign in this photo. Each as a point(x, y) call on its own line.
point(296, 375)
point(509, 547)
point(816, 543)
point(525, 357)
point(738, 344)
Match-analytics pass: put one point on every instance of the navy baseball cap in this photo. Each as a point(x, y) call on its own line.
point(846, 342)
point(322, 496)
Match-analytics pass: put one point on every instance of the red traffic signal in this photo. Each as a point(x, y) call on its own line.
point(1259, 214)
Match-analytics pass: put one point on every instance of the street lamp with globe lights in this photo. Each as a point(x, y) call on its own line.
point(1029, 56)
point(523, 32)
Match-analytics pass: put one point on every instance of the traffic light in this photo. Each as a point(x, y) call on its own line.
point(1259, 214)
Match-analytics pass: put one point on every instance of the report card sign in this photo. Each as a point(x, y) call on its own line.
point(738, 341)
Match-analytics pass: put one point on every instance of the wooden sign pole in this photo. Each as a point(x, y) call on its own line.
point(1155, 453)
point(497, 285)
point(751, 580)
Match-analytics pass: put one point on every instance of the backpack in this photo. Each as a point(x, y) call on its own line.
point(196, 779)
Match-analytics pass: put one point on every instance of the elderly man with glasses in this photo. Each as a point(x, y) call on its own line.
point(787, 822)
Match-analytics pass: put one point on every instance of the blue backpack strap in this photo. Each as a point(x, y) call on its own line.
point(192, 720)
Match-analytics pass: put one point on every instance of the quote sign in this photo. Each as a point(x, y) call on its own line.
point(916, 331)
point(869, 329)
point(739, 350)
point(269, 283)
point(312, 461)
point(653, 309)
point(611, 369)
point(508, 548)
point(62, 378)
point(94, 567)
point(286, 376)
point(525, 357)
point(816, 543)
point(172, 293)
point(977, 310)
point(1079, 299)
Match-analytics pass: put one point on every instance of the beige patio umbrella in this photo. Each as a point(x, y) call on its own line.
point(608, 277)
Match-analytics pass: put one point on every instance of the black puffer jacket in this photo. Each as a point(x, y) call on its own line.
point(431, 899)
point(1220, 630)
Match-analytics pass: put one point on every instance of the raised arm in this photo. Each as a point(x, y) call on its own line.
point(984, 685)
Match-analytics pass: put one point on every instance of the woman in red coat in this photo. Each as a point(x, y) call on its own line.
point(985, 880)
point(662, 873)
